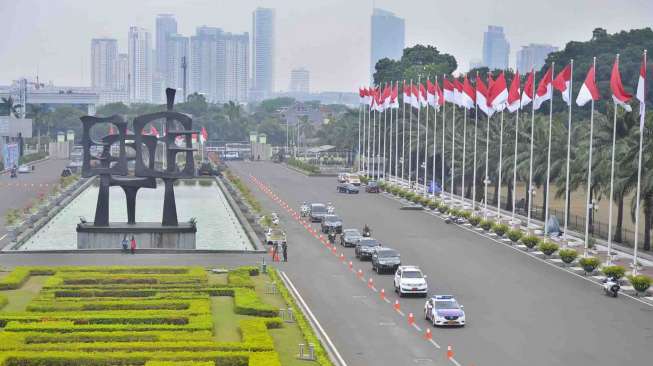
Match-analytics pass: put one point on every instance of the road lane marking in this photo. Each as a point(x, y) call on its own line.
point(417, 327)
point(434, 343)
point(401, 313)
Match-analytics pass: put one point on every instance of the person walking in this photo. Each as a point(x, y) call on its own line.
point(284, 247)
point(274, 252)
point(125, 244)
point(133, 245)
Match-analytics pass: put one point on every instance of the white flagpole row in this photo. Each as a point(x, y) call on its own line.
point(419, 108)
point(514, 168)
point(642, 112)
point(610, 199)
point(487, 153)
point(426, 142)
point(389, 135)
point(530, 164)
point(358, 152)
point(548, 159)
point(403, 137)
point(385, 132)
point(500, 158)
point(475, 140)
point(571, 83)
point(462, 193)
point(589, 176)
point(397, 133)
point(435, 136)
point(410, 139)
point(453, 150)
point(444, 125)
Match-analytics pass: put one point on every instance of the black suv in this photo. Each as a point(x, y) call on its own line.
point(317, 212)
point(385, 260)
point(331, 223)
point(365, 247)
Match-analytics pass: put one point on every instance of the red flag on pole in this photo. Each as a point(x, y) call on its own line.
point(513, 94)
point(619, 95)
point(589, 90)
point(561, 83)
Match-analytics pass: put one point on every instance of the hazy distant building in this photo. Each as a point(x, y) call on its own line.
point(263, 43)
point(234, 69)
point(219, 66)
point(177, 65)
point(496, 49)
point(121, 91)
point(166, 25)
point(300, 81)
point(533, 56)
point(122, 81)
point(387, 37)
point(140, 65)
point(475, 63)
point(104, 63)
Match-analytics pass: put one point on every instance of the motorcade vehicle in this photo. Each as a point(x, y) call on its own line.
point(611, 286)
point(367, 232)
point(331, 223)
point(350, 237)
point(365, 248)
point(317, 211)
point(353, 179)
point(330, 208)
point(372, 187)
point(25, 168)
point(347, 188)
point(410, 280)
point(444, 310)
point(385, 260)
point(304, 210)
point(275, 218)
point(275, 236)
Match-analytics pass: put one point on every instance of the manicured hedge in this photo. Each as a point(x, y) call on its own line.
point(247, 302)
point(3, 301)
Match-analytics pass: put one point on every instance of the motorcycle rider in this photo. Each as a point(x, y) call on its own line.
point(367, 231)
point(304, 209)
point(611, 286)
point(330, 208)
point(332, 236)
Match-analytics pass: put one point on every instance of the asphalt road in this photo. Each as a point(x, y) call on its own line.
point(17, 192)
point(519, 311)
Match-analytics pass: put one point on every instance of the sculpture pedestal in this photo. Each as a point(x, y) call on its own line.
point(148, 235)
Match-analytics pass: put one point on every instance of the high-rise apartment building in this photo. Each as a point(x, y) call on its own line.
point(166, 25)
point(387, 37)
point(533, 56)
point(219, 66)
point(496, 49)
point(263, 43)
point(300, 81)
point(140, 65)
point(122, 82)
point(104, 63)
point(177, 66)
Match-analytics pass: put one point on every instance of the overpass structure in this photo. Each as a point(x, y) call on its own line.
point(25, 92)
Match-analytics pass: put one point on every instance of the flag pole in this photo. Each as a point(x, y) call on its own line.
point(571, 83)
point(500, 158)
point(410, 138)
point(642, 114)
point(462, 193)
point(487, 151)
point(426, 140)
point(475, 139)
point(403, 137)
point(530, 164)
point(373, 152)
point(548, 158)
point(378, 143)
point(453, 149)
point(389, 135)
point(367, 140)
point(589, 173)
point(358, 152)
point(435, 133)
point(385, 131)
point(397, 134)
point(444, 125)
point(514, 168)
point(614, 140)
point(419, 108)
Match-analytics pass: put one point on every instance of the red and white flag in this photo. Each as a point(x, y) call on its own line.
point(562, 83)
point(641, 92)
point(527, 95)
point(204, 136)
point(499, 93)
point(394, 98)
point(387, 94)
point(361, 95)
point(544, 89)
point(423, 96)
point(431, 94)
point(448, 90)
point(458, 92)
point(482, 97)
point(589, 90)
point(513, 94)
point(468, 97)
point(415, 97)
point(619, 95)
point(407, 93)
point(439, 95)
point(368, 96)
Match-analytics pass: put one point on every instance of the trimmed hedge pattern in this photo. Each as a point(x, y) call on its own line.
point(154, 316)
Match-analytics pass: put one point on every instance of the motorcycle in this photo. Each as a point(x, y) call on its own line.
point(611, 286)
point(13, 172)
point(367, 232)
point(331, 209)
point(275, 219)
point(304, 210)
point(332, 237)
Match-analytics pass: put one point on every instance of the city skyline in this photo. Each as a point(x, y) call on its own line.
point(36, 46)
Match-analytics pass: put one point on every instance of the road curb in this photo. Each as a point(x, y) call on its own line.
point(249, 230)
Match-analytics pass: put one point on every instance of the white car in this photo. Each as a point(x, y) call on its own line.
point(444, 310)
point(410, 280)
point(24, 169)
point(353, 179)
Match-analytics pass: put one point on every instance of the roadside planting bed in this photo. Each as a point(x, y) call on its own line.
point(153, 316)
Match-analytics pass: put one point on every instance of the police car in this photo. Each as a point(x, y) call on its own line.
point(444, 310)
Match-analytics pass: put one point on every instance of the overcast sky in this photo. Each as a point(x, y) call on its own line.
point(329, 37)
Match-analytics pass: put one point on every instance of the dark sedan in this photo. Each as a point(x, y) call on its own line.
point(372, 187)
point(331, 223)
point(365, 248)
point(347, 188)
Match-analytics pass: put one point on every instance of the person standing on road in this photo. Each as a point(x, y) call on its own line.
point(125, 244)
point(133, 245)
point(284, 247)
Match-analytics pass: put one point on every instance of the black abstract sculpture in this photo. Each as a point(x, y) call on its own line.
point(113, 170)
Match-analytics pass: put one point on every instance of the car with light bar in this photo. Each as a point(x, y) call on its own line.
point(444, 311)
point(409, 280)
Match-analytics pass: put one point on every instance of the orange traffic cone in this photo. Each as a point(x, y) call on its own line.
point(428, 336)
point(370, 283)
point(449, 352)
point(411, 319)
point(397, 306)
point(382, 294)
